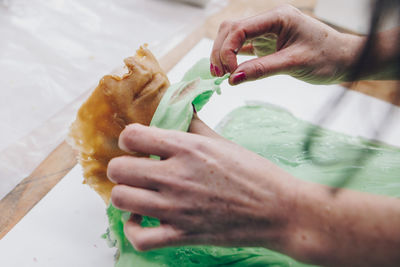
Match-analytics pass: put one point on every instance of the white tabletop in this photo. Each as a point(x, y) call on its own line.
point(64, 229)
point(52, 51)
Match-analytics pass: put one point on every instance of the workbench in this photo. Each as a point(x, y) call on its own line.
point(15, 205)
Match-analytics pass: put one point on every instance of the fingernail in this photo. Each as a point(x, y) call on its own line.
point(122, 146)
point(212, 68)
point(134, 125)
point(238, 77)
point(217, 71)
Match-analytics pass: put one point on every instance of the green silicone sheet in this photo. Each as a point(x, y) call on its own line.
point(275, 134)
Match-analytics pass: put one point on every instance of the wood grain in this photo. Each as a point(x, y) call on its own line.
point(17, 203)
point(384, 90)
point(33, 188)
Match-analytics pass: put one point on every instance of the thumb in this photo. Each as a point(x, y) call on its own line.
point(147, 238)
point(262, 67)
point(197, 126)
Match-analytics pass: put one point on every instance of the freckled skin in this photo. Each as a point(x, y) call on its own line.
point(204, 197)
point(207, 190)
point(303, 47)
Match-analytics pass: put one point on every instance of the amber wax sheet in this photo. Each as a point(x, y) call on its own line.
point(53, 52)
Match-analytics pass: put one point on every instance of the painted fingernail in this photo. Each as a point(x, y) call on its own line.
point(217, 71)
point(212, 69)
point(238, 77)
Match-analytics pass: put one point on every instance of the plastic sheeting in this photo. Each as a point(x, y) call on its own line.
point(53, 51)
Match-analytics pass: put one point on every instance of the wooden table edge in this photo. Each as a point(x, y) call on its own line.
point(18, 202)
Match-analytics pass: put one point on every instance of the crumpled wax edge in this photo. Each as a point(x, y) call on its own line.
point(175, 110)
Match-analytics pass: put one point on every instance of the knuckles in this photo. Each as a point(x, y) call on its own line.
point(235, 27)
point(191, 149)
point(225, 25)
point(286, 12)
point(259, 70)
point(230, 25)
point(225, 53)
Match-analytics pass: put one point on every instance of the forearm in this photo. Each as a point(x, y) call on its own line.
point(344, 229)
point(381, 62)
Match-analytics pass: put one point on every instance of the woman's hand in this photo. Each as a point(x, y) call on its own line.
point(286, 42)
point(204, 190)
point(207, 190)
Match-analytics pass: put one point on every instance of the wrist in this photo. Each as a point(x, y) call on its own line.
point(352, 46)
point(306, 240)
point(295, 230)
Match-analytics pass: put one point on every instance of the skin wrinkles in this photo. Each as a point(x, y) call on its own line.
point(207, 190)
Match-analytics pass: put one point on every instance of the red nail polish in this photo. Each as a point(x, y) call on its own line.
point(239, 77)
point(217, 71)
point(212, 68)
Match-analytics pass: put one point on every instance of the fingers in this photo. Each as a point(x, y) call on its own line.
point(145, 238)
point(216, 67)
point(232, 35)
point(223, 55)
point(149, 140)
point(138, 200)
point(137, 172)
point(261, 67)
point(247, 50)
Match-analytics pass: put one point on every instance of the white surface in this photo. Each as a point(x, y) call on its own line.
point(64, 229)
point(352, 15)
point(357, 115)
point(52, 51)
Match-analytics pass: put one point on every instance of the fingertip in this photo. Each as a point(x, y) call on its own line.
point(218, 71)
point(133, 127)
point(132, 231)
point(126, 137)
point(117, 198)
point(247, 49)
point(237, 78)
point(112, 169)
point(212, 69)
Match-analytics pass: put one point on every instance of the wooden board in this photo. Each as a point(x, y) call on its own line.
point(32, 189)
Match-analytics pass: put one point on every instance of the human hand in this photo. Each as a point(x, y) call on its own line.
point(286, 42)
point(205, 190)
